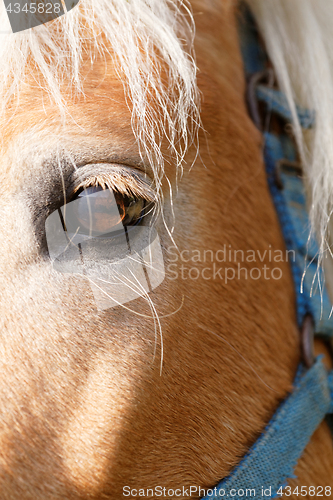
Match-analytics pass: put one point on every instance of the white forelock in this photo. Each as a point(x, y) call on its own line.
point(144, 35)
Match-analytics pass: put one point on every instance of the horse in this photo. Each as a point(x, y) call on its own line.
point(170, 389)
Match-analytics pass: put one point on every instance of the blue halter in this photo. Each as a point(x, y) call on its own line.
point(270, 462)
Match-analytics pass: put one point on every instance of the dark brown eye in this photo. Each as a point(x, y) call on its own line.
point(96, 211)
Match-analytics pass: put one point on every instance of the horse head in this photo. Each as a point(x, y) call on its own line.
point(170, 387)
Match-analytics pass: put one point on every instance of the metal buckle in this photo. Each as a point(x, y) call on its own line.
point(251, 96)
point(307, 340)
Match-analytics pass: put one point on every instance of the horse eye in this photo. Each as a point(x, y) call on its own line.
point(95, 211)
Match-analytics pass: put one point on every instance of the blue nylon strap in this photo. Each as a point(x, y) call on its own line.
point(330, 384)
point(273, 457)
point(273, 152)
point(307, 255)
point(254, 57)
point(290, 204)
point(276, 102)
point(271, 461)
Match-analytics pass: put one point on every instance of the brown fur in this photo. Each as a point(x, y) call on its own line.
point(84, 409)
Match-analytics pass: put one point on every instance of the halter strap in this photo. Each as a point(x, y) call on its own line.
point(270, 462)
point(288, 193)
point(273, 457)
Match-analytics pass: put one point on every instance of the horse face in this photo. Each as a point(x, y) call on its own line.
point(84, 393)
point(134, 395)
